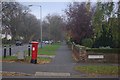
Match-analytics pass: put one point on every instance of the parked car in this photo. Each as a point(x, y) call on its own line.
point(18, 43)
point(46, 42)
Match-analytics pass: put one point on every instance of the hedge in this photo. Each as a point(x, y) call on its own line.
point(112, 50)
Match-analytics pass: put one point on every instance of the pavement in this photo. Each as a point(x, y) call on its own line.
point(15, 49)
point(61, 63)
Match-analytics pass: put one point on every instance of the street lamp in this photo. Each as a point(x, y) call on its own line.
point(40, 21)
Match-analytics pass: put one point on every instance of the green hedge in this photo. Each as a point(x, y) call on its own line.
point(113, 50)
point(87, 42)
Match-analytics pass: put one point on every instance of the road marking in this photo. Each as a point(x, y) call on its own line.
point(52, 74)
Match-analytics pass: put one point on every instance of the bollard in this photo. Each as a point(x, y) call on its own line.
point(10, 50)
point(4, 51)
point(29, 50)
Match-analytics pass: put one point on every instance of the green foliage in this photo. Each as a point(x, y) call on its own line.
point(97, 19)
point(106, 15)
point(102, 11)
point(5, 41)
point(87, 42)
point(105, 39)
point(10, 58)
point(104, 50)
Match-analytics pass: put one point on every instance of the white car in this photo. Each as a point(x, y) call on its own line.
point(46, 42)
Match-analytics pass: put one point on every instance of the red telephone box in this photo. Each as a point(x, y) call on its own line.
point(34, 52)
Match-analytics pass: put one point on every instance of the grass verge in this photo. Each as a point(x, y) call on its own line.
point(14, 74)
point(26, 60)
point(102, 70)
point(48, 49)
point(40, 60)
point(8, 58)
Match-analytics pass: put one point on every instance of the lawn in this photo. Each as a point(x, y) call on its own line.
point(8, 58)
point(49, 49)
point(95, 69)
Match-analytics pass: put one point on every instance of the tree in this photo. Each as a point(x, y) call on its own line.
point(98, 19)
point(105, 38)
point(115, 22)
point(21, 23)
point(118, 23)
point(46, 30)
point(105, 25)
point(54, 27)
point(29, 28)
point(11, 17)
point(79, 21)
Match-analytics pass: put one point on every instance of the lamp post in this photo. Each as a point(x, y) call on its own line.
point(40, 21)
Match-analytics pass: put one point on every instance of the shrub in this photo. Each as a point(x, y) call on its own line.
point(87, 42)
point(5, 41)
point(104, 50)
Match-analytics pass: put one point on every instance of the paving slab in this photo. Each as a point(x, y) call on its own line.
point(54, 74)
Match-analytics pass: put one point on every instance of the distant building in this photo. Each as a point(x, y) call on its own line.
point(6, 33)
point(8, 36)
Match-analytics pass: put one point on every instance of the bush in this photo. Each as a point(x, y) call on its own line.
point(104, 50)
point(87, 42)
point(5, 41)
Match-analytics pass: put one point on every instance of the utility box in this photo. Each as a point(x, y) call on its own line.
point(20, 55)
point(34, 52)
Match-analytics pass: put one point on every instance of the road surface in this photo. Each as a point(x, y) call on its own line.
point(62, 63)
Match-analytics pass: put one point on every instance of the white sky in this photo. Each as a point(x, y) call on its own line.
point(47, 8)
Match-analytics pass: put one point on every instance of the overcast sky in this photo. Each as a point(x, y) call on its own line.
point(47, 8)
point(50, 6)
